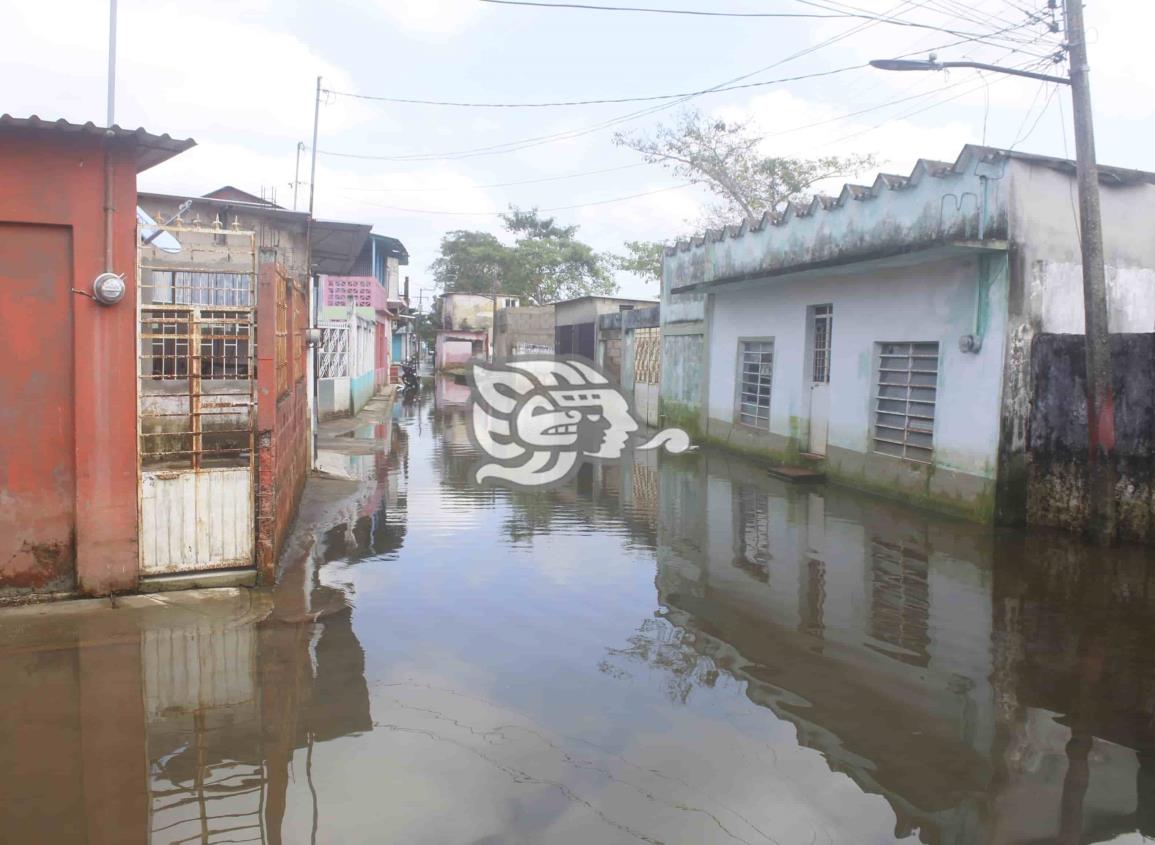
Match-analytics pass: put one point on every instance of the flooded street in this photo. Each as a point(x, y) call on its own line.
point(675, 650)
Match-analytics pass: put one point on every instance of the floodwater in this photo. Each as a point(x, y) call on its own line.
point(676, 650)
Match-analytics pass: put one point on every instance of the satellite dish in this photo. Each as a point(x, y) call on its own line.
point(164, 241)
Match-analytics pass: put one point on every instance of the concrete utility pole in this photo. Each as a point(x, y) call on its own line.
point(313, 165)
point(1100, 378)
point(1100, 375)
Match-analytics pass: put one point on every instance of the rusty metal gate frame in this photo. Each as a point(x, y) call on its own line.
point(195, 328)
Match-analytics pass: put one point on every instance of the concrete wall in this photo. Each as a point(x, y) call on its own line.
point(587, 309)
point(466, 311)
point(282, 236)
point(1046, 294)
point(458, 348)
point(1043, 223)
point(924, 302)
point(530, 325)
point(1058, 491)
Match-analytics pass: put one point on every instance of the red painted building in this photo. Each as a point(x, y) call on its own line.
point(68, 375)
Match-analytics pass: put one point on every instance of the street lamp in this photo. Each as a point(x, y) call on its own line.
point(933, 63)
point(1100, 381)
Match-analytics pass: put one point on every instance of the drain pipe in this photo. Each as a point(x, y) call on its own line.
point(108, 205)
point(108, 288)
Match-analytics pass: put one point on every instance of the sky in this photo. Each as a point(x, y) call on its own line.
point(240, 77)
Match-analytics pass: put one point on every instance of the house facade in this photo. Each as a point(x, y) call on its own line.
point(68, 444)
point(465, 331)
point(357, 314)
point(523, 330)
point(576, 322)
point(629, 350)
point(887, 334)
point(226, 381)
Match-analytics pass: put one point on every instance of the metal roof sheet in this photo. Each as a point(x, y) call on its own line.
point(151, 149)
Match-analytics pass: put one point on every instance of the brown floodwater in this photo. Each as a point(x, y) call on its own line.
point(674, 650)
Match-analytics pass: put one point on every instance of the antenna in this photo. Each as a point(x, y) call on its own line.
point(111, 62)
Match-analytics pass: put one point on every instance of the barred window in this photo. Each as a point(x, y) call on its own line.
point(905, 401)
point(755, 373)
point(823, 322)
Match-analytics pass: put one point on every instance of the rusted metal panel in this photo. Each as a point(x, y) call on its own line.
point(37, 440)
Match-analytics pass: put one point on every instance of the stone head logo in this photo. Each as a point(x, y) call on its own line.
point(538, 419)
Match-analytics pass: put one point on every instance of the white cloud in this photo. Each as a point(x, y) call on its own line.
point(436, 19)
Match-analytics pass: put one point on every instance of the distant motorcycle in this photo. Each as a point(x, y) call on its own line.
point(410, 382)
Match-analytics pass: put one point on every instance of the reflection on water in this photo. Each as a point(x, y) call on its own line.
point(677, 649)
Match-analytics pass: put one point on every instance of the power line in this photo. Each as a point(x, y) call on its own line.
point(554, 208)
point(510, 184)
point(862, 15)
point(694, 12)
point(651, 98)
point(526, 143)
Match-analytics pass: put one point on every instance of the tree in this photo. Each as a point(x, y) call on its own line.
point(469, 261)
point(643, 258)
point(546, 263)
point(727, 159)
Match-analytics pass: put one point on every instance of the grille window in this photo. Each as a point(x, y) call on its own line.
point(756, 367)
point(905, 402)
point(823, 322)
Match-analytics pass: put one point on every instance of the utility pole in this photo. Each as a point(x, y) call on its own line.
point(493, 326)
point(1100, 376)
point(313, 165)
point(297, 173)
point(111, 62)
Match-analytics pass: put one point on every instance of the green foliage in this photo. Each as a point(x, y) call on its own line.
point(727, 159)
point(469, 261)
point(643, 258)
point(547, 263)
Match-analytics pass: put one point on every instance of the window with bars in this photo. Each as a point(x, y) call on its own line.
point(905, 400)
point(823, 323)
point(755, 373)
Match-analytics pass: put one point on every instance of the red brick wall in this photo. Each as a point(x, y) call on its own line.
point(282, 411)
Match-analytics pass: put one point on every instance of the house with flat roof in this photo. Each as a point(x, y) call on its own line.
point(919, 336)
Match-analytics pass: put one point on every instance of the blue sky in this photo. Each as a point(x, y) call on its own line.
point(239, 75)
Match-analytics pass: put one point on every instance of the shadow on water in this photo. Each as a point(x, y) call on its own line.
point(668, 650)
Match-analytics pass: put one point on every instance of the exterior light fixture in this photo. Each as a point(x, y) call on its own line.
point(108, 288)
point(906, 64)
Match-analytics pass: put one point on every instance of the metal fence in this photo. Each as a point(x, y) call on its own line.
point(333, 360)
point(196, 354)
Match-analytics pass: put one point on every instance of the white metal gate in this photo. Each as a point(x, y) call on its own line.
point(196, 400)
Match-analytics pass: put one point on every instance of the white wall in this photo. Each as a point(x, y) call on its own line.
point(927, 302)
point(1043, 220)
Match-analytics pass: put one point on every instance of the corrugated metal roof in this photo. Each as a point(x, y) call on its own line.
point(336, 246)
point(151, 149)
point(924, 168)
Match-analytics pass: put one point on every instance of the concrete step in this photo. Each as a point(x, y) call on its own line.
point(797, 475)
